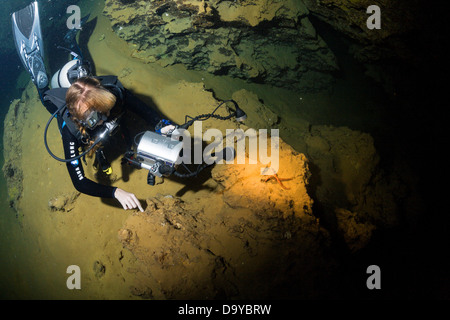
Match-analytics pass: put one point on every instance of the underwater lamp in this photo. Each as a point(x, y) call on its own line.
point(238, 113)
point(160, 154)
point(157, 153)
point(241, 116)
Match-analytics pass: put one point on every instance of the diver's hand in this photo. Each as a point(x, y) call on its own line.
point(127, 200)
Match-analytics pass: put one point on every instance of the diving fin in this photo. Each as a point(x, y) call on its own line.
point(70, 37)
point(30, 47)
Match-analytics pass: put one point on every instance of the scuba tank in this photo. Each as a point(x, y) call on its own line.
point(70, 72)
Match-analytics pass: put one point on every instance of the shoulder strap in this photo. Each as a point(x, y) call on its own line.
point(113, 84)
point(70, 124)
point(57, 96)
point(108, 79)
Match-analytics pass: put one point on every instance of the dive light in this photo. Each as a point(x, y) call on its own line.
point(161, 155)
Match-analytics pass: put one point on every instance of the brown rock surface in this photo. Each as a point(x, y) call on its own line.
point(259, 40)
point(248, 229)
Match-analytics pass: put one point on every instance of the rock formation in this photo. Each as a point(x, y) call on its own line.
point(12, 140)
point(263, 41)
point(350, 17)
point(256, 229)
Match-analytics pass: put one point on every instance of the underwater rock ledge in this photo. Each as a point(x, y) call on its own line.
point(262, 41)
point(257, 229)
point(12, 143)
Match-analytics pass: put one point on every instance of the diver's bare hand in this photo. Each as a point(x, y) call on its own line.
point(127, 200)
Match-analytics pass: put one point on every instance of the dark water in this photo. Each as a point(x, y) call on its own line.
point(408, 125)
point(407, 128)
point(12, 73)
point(12, 68)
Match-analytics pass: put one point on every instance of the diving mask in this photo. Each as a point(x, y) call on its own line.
point(93, 118)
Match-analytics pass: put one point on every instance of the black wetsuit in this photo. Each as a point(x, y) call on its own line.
point(71, 143)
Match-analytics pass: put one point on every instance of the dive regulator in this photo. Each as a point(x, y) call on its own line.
point(161, 154)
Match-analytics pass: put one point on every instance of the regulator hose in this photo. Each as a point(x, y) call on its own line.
point(97, 141)
point(238, 113)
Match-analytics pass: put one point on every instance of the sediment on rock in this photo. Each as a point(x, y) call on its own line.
point(12, 142)
point(257, 229)
point(398, 47)
point(350, 17)
point(262, 41)
point(63, 202)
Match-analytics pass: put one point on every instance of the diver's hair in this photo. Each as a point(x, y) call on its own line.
point(90, 92)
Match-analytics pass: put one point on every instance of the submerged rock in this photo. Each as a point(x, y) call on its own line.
point(354, 195)
point(259, 116)
point(350, 17)
point(250, 238)
point(99, 269)
point(355, 231)
point(12, 142)
point(263, 41)
point(63, 202)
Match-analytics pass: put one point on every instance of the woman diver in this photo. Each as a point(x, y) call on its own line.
point(90, 101)
point(82, 104)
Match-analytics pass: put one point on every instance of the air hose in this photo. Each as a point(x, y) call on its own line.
point(150, 161)
point(239, 114)
point(109, 127)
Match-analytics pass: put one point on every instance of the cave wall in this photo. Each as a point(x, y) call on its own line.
point(350, 16)
point(263, 41)
point(404, 44)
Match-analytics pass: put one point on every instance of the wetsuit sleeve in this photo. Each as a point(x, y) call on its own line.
point(76, 172)
point(133, 103)
point(47, 103)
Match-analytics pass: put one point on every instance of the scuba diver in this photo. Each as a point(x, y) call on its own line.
point(87, 108)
